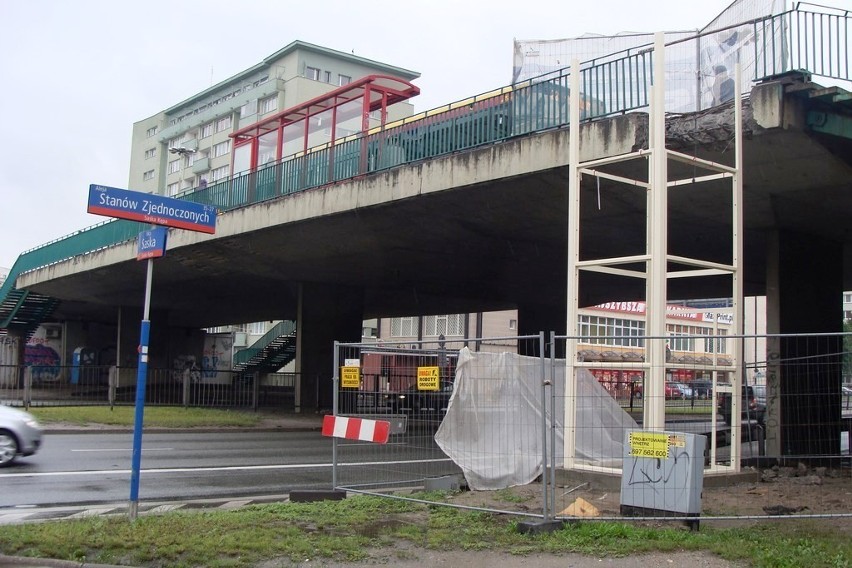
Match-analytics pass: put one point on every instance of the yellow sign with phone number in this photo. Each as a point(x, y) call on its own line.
point(649, 444)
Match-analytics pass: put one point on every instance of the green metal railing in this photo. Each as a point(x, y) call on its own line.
point(611, 85)
point(244, 356)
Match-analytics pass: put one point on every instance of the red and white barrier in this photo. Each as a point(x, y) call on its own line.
point(353, 428)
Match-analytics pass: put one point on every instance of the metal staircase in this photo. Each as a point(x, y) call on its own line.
point(269, 353)
point(23, 312)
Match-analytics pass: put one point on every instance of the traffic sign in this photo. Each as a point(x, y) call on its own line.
point(350, 377)
point(150, 208)
point(428, 378)
point(151, 243)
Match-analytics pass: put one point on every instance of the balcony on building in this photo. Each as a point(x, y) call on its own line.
point(201, 165)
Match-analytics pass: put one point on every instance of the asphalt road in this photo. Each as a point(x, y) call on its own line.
point(93, 467)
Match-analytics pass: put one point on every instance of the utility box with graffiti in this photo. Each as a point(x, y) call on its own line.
point(663, 473)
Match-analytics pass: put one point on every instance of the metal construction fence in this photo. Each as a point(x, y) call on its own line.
point(506, 419)
point(98, 385)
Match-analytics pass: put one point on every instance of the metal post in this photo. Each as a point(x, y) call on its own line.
point(185, 391)
point(28, 387)
point(737, 254)
point(544, 384)
point(657, 228)
point(255, 391)
point(141, 376)
point(573, 298)
point(334, 407)
point(552, 421)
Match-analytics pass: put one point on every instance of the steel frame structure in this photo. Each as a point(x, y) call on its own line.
point(658, 264)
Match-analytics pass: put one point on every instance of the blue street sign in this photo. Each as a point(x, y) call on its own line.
point(149, 208)
point(151, 243)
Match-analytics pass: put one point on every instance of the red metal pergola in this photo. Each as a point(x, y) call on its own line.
point(377, 92)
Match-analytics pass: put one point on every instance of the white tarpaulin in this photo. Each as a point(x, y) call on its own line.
point(698, 76)
point(493, 427)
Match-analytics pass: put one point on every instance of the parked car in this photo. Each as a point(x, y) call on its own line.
point(685, 390)
point(750, 408)
point(20, 434)
point(702, 389)
point(673, 391)
point(846, 390)
point(434, 403)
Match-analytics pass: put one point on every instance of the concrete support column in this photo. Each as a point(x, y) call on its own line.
point(20, 340)
point(804, 373)
point(326, 314)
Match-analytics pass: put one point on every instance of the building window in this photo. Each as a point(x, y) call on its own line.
point(175, 142)
point(223, 123)
point(219, 173)
point(207, 130)
point(434, 326)
point(150, 153)
point(403, 327)
point(327, 76)
point(151, 131)
point(188, 160)
point(343, 80)
point(257, 328)
point(513, 324)
point(715, 344)
point(222, 148)
point(847, 298)
point(618, 332)
point(174, 166)
point(248, 109)
point(173, 188)
point(269, 104)
point(312, 73)
point(148, 175)
point(681, 339)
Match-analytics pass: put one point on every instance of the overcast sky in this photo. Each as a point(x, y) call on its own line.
point(75, 76)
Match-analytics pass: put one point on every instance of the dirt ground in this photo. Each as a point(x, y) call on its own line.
point(772, 492)
point(772, 495)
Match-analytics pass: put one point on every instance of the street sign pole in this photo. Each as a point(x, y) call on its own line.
point(141, 378)
point(161, 212)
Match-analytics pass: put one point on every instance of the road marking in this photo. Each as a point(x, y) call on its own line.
point(126, 450)
point(219, 468)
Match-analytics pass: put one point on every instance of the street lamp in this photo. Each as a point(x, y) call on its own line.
point(181, 150)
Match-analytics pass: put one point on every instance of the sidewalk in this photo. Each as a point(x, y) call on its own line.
point(270, 421)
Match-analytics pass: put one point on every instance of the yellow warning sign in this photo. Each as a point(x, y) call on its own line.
point(428, 378)
point(649, 444)
point(350, 377)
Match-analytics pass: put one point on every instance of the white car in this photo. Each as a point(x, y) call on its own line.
point(20, 434)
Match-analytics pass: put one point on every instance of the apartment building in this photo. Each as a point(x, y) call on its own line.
point(188, 145)
point(499, 327)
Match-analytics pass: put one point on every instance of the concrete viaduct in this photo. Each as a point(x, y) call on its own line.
point(486, 229)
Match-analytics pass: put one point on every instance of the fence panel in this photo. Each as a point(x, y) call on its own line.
point(411, 387)
point(500, 419)
point(103, 385)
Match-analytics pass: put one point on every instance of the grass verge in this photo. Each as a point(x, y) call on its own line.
point(155, 416)
point(353, 529)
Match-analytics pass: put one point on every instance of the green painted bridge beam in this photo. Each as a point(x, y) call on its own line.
point(830, 123)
